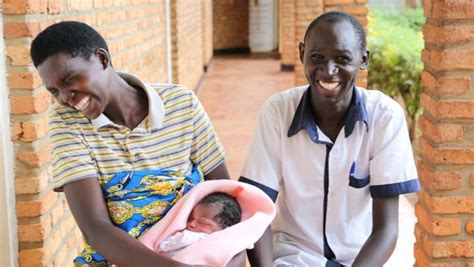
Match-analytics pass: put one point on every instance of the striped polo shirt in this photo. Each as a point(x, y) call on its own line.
point(176, 134)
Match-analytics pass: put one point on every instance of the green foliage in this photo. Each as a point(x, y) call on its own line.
point(395, 43)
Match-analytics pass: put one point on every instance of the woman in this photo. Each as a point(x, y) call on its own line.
point(123, 151)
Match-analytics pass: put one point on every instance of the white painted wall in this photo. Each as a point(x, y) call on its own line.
point(8, 226)
point(263, 25)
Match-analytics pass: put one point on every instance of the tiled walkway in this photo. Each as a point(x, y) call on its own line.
point(232, 93)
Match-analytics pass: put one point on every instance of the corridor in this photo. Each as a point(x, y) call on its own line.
point(233, 91)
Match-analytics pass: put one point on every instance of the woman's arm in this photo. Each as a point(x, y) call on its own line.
point(380, 245)
point(88, 207)
point(220, 172)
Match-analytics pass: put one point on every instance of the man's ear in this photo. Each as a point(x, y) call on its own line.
point(365, 59)
point(301, 49)
point(103, 56)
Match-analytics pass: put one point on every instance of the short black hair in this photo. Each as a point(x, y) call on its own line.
point(72, 37)
point(338, 16)
point(230, 212)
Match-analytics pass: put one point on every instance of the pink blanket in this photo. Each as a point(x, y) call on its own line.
point(258, 212)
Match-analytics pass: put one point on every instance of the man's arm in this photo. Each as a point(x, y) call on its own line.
point(380, 245)
point(262, 253)
point(88, 207)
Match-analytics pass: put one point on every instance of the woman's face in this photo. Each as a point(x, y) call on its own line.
point(78, 83)
point(202, 219)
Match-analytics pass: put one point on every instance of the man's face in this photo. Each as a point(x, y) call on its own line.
point(332, 58)
point(76, 82)
point(202, 219)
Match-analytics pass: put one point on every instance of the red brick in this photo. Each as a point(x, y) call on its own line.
point(24, 80)
point(356, 10)
point(448, 109)
point(418, 232)
point(437, 226)
point(27, 104)
point(33, 184)
point(447, 60)
point(425, 55)
point(337, 2)
point(445, 85)
point(472, 180)
point(449, 249)
point(422, 260)
point(98, 3)
point(444, 35)
point(36, 208)
point(440, 132)
point(37, 257)
point(13, 30)
point(470, 227)
point(19, 55)
point(35, 232)
point(427, 8)
point(453, 10)
point(29, 131)
point(55, 6)
point(446, 155)
point(450, 204)
point(438, 180)
point(19, 7)
point(36, 157)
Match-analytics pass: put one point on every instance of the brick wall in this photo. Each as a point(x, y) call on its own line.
point(445, 209)
point(187, 36)
point(230, 24)
point(305, 12)
point(288, 45)
point(206, 6)
point(136, 36)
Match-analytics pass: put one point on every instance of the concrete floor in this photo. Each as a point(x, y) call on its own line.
point(233, 91)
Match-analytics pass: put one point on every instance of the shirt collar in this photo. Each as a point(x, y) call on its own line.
point(304, 119)
point(156, 110)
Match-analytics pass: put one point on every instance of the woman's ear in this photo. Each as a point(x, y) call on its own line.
point(104, 57)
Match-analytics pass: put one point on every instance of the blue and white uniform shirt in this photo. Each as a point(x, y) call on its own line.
point(324, 189)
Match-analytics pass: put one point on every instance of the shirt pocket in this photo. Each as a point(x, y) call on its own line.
point(359, 176)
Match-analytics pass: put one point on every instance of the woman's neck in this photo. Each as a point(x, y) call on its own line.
point(128, 105)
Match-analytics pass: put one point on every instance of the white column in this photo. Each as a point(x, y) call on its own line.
point(8, 226)
point(263, 25)
point(169, 62)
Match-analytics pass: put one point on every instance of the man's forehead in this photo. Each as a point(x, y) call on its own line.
point(333, 26)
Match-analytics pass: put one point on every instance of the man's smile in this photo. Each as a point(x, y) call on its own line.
point(328, 85)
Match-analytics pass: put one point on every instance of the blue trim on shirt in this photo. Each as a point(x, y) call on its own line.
point(304, 119)
point(389, 190)
point(331, 263)
point(357, 182)
point(328, 252)
point(273, 194)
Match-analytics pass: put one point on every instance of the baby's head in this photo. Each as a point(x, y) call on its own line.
point(214, 212)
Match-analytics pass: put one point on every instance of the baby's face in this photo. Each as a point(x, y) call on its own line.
point(202, 219)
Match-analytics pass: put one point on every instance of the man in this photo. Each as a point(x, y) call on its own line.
point(333, 156)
